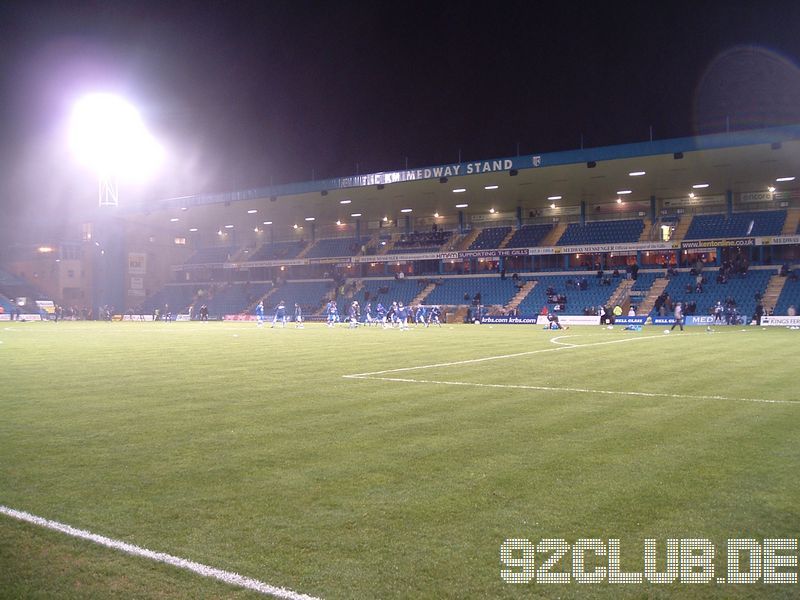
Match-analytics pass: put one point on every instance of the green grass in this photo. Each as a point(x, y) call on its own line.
point(246, 449)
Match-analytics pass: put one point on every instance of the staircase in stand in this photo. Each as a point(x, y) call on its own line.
point(469, 237)
point(792, 220)
point(523, 292)
point(621, 295)
point(263, 298)
point(423, 294)
point(659, 285)
point(389, 245)
point(648, 233)
point(353, 290)
point(681, 228)
point(306, 250)
point(506, 239)
point(555, 234)
point(773, 292)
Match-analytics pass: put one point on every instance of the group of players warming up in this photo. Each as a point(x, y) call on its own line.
point(280, 315)
point(395, 315)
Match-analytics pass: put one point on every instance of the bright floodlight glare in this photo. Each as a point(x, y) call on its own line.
point(108, 135)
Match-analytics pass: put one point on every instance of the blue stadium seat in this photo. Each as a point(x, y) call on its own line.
point(757, 223)
point(529, 236)
point(490, 238)
point(278, 250)
point(347, 246)
point(602, 232)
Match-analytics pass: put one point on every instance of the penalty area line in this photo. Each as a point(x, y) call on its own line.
point(544, 388)
point(182, 563)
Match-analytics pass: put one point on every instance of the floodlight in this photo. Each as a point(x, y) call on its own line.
point(108, 135)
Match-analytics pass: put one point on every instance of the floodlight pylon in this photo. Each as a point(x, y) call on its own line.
point(108, 191)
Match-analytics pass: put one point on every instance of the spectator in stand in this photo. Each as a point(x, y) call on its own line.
point(632, 311)
point(791, 311)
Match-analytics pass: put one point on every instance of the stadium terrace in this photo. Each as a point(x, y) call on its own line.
point(700, 221)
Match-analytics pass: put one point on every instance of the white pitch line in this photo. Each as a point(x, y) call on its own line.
point(182, 563)
point(543, 388)
point(556, 341)
point(502, 356)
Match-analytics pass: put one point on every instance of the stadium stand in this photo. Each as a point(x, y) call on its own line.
point(212, 254)
point(602, 232)
point(387, 291)
point(489, 238)
point(742, 289)
point(310, 295)
point(743, 224)
point(5, 303)
point(577, 300)
point(347, 246)
point(462, 290)
point(177, 296)
point(413, 249)
point(790, 296)
point(421, 241)
point(279, 250)
point(235, 298)
point(529, 236)
point(12, 286)
point(644, 281)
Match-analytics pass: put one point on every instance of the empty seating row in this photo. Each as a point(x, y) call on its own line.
point(310, 295)
point(425, 239)
point(387, 291)
point(463, 290)
point(347, 246)
point(529, 236)
point(743, 224)
point(212, 254)
point(602, 232)
point(489, 238)
point(790, 296)
point(279, 250)
point(235, 298)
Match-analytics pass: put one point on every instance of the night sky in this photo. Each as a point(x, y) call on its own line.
point(247, 93)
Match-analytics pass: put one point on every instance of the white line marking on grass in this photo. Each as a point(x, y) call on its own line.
point(182, 563)
point(502, 356)
point(544, 388)
point(556, 339)
point(561, 347)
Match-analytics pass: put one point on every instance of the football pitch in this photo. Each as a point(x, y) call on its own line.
point(375, 463)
